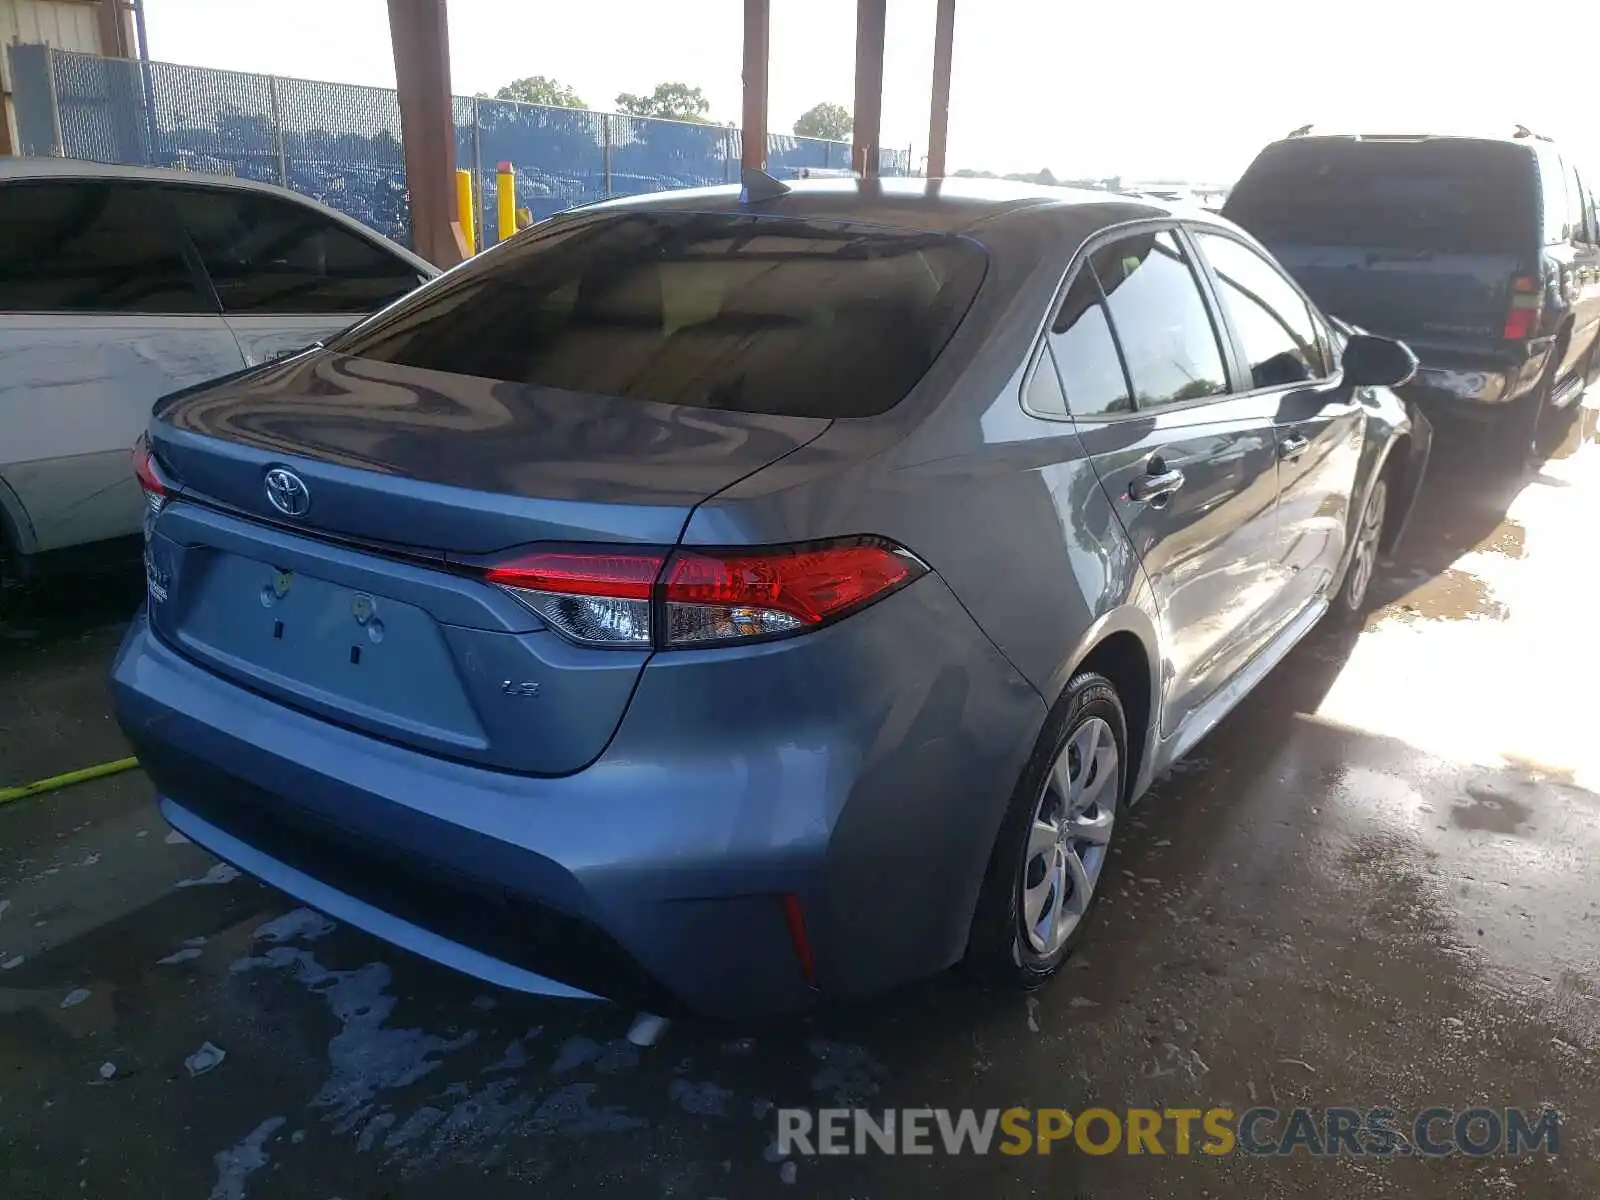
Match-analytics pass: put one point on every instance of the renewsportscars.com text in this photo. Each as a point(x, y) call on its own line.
point(1433, 1132)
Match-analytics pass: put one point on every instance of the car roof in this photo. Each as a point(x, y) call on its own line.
point(1400, 136)
point(15, 169)
point(953, 205)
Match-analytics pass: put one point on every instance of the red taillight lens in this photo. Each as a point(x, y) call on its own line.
point(622, 576)
point(702, 597)
point(595, 599)
point(155, 491)
point(145, 470)
point(727, 595)
point(1527, 306)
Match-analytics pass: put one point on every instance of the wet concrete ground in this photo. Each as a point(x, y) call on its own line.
point(1374, 885)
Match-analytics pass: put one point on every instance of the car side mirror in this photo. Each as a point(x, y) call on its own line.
point(1371, 361)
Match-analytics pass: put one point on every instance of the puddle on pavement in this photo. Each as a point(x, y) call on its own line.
point(1510, 540)
point(1453, 595)
point(1491, 808)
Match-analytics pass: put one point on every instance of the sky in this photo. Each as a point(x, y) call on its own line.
point(1145, 89)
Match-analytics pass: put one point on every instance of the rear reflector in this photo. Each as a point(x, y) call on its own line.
point(703, 597)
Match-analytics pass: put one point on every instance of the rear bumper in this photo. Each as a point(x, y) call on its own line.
point(1466, 381)
point(863, 769)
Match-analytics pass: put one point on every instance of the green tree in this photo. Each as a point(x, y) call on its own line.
point(825, 120)
point(670, 101)
point(541, 89)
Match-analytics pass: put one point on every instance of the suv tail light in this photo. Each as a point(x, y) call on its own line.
point(692, 598)
point(1527, 307)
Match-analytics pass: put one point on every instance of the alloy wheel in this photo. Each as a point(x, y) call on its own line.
point(1069, 836)
point(1364, 561)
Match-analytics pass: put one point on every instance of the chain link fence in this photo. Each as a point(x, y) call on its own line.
point(340, 143)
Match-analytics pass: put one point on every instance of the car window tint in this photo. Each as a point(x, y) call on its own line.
point(89, 246)
point(1086, 354)
point(1445, 195)
point(1553, 191)
point(267, 255)
point(716, 310)
point(1044, 392)
point(1156, 309)
point(1272, 321)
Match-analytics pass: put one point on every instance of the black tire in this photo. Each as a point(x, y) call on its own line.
point(1353, 598)
point(998, 947)
point(1522, 427)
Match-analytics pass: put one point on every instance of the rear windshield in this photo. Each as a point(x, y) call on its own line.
point(1449, 197)
point(729, 311)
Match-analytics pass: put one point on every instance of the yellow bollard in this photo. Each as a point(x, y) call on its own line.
point(505, 193)
point(466, 210)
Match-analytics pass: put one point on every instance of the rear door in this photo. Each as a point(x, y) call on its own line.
point(1416, 238)
point(1319, 424)
point(285, 274)
point(100, 314)
point(1190, 468)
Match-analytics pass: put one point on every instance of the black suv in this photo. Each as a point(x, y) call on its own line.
point(1482, 253)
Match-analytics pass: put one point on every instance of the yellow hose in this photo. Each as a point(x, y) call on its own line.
point(56, 782)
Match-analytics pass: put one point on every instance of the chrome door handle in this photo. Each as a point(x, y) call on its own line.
point(1155, 487)
point(1292, 447)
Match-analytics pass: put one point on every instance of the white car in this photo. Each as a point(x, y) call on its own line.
point(120, 284)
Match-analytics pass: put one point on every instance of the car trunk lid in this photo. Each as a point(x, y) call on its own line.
point(452, 464)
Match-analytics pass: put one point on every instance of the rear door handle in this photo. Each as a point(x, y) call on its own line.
point(1155, 486)
point(1292, 447)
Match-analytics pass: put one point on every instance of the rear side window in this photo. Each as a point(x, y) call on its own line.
point(1086, 354)
point(1273, 323)
point(89, 246)
point(267, 255)
point(1553, 191)
point(1155, 305)
point(714, 310)
point(1440, 195)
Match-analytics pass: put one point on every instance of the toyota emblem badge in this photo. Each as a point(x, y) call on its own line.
point(287, 492)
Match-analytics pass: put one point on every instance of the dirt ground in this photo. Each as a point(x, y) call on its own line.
point(1374, 885)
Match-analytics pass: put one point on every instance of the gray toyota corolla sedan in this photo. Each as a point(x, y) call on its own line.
point(737, 598)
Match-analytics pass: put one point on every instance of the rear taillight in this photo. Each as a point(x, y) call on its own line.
point(155, 490)
point(594, 598)
point(703, 597)
point(1526, 308)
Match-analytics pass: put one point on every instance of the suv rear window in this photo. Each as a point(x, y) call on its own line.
point(1439, 195)
point(750, 313)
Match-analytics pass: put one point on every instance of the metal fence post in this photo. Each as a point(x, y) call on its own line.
point(480, 233)
point(277, 131)
point(56, 148)
point(605, 120)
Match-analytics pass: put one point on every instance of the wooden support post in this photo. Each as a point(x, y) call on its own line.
point(114, 29)
point(757, 48)
point(420, 35)
point(944, 36)
point(871, 21)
